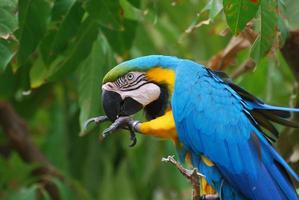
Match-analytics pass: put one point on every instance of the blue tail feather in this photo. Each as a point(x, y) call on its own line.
point(283, 180)
point(283, 112)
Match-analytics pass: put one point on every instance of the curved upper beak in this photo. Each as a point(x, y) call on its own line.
point(114, 106)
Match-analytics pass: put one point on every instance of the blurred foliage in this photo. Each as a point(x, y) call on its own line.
point(54, 53)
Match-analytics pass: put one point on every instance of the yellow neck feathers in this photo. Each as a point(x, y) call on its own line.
point(161, 75)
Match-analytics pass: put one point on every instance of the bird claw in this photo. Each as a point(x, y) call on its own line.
point(125, 122)
point(188, 173)
point(96, 120)
point(133, 138)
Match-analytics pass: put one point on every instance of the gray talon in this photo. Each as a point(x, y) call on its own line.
point(118, 123)
point(125, 122)
point(96, 120)
point(132, 137)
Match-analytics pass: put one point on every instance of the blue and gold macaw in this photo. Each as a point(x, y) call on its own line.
point(226, 132)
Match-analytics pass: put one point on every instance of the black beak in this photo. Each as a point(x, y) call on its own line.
point(114, 106)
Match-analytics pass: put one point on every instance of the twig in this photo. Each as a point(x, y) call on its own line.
point(245, 67)
point(20, 140)
point(290, 52)
point(194, 177)
point(290, 136)
point(226, 57)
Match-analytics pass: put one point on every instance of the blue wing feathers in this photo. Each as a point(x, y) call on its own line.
point(276, 114)
point(212, 120)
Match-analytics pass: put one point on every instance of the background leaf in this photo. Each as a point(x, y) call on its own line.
point(8, 22)
point(91, 73)
point(57, 40)
point(6, 54)
point(292, 13)
point(24, 194)
point(77, 53)
point(239, 12)
point(108, 13)
point(267, 28)
point(33, 20)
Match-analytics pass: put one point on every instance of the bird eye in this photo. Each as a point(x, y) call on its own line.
point(130, 76)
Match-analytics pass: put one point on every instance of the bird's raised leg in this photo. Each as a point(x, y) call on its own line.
point(193, 176)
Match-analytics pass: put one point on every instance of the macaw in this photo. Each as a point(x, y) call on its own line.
point(227, 132)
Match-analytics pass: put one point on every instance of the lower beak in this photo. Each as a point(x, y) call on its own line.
point(114, 106)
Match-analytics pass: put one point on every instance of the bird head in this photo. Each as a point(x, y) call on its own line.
point(142, 83)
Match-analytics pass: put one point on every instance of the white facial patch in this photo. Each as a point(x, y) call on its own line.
point(144, 95)
point(138, 88)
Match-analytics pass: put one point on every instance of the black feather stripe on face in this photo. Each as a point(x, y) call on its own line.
point(158, 107)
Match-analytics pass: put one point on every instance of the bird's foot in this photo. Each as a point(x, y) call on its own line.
point(125, 122)
point(188, 173)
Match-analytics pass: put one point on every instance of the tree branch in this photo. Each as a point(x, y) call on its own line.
point(226, 57)
point(20, 140)
point(290, 52)
point(290, 137)
point(245, 67)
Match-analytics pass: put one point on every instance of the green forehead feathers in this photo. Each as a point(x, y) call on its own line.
point(119, 71)
point(141, 64)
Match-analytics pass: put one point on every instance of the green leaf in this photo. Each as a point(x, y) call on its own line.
point(108, 13)
point(8, 22)
point(56, 135)
point(91, 73)
point(6, 54)
point(57, 41)
point(292, 13)
point(15, 174)
point(267, 25)
point(24, 194)
point(45, 194)
point(38, 73)
point(79, 190)
point(9, 4)
point(60, 8)
point(131, 12)
point(33, 19)
point(239, 12)
point(122, 41)
point(8, 84)
point(64, 191)
point(283, 29)
point(214, 7)
point(80, 48)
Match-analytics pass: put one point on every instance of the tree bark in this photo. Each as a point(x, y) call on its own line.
point(289, 139)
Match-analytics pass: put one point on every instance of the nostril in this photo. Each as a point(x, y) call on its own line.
point(110, 85)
